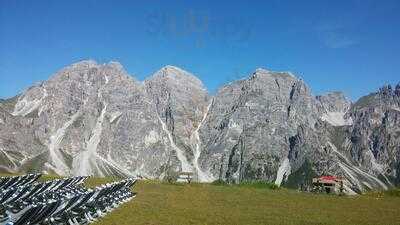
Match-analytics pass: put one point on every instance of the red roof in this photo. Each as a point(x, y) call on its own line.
point(329, 178)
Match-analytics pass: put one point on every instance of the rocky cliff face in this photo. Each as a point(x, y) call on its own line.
point(180, 101)
point(333, 107)
point(374, 139)
point(17, 138)
point(248, 131)
point(92, 119)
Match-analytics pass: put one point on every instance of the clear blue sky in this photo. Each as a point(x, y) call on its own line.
point(348, 45)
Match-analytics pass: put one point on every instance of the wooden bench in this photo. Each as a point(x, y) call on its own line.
point(188, 176)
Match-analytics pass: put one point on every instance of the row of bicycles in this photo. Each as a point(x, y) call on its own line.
point(24, 200)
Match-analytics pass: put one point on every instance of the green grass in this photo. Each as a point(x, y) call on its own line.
point(161, 203)
point(393, 192)
point(250, 184)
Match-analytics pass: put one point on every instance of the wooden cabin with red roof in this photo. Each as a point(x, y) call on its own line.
point(328, 184)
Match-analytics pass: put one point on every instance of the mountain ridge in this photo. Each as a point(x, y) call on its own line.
point(95, 119)
point(118, 64)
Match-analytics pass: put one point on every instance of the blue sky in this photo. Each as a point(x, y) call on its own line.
point(349, 45)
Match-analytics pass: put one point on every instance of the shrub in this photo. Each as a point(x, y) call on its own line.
point(171, 176)
point(259, 184)
point(393, 192)
point(219, 183)
point(252, 184)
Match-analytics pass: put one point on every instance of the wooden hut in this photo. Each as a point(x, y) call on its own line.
point(328, 184)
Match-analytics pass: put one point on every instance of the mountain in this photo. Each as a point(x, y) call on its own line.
point(246, 133)
point(375, 135)
point(95, 119)
point(91, 119)
point(180, 101)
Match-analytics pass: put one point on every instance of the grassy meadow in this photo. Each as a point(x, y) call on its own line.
point(159, 203)
point(162, 203)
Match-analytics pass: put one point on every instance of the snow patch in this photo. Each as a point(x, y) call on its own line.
point(151, 138)
point(56, 158)
point(336, 119)
point(202, 176)
point(283, 171)
point(25, 106)
point(1, 121)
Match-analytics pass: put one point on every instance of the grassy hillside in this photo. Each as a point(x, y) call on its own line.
point(160, 203)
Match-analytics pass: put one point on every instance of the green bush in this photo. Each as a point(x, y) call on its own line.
point(251, 184)
point(219, 183)
point(393, 192)
point(171, 176)
point(259, 184)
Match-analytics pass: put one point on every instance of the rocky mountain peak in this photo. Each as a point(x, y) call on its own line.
point(92, 66)
point(261, 71)
point(84, 63)
point(175, 75)
point(397, 90)
point(116, 65)
point(386, 97)
point(89, 72)
point(334, 101)
point(388, 92)
point(94, 119)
